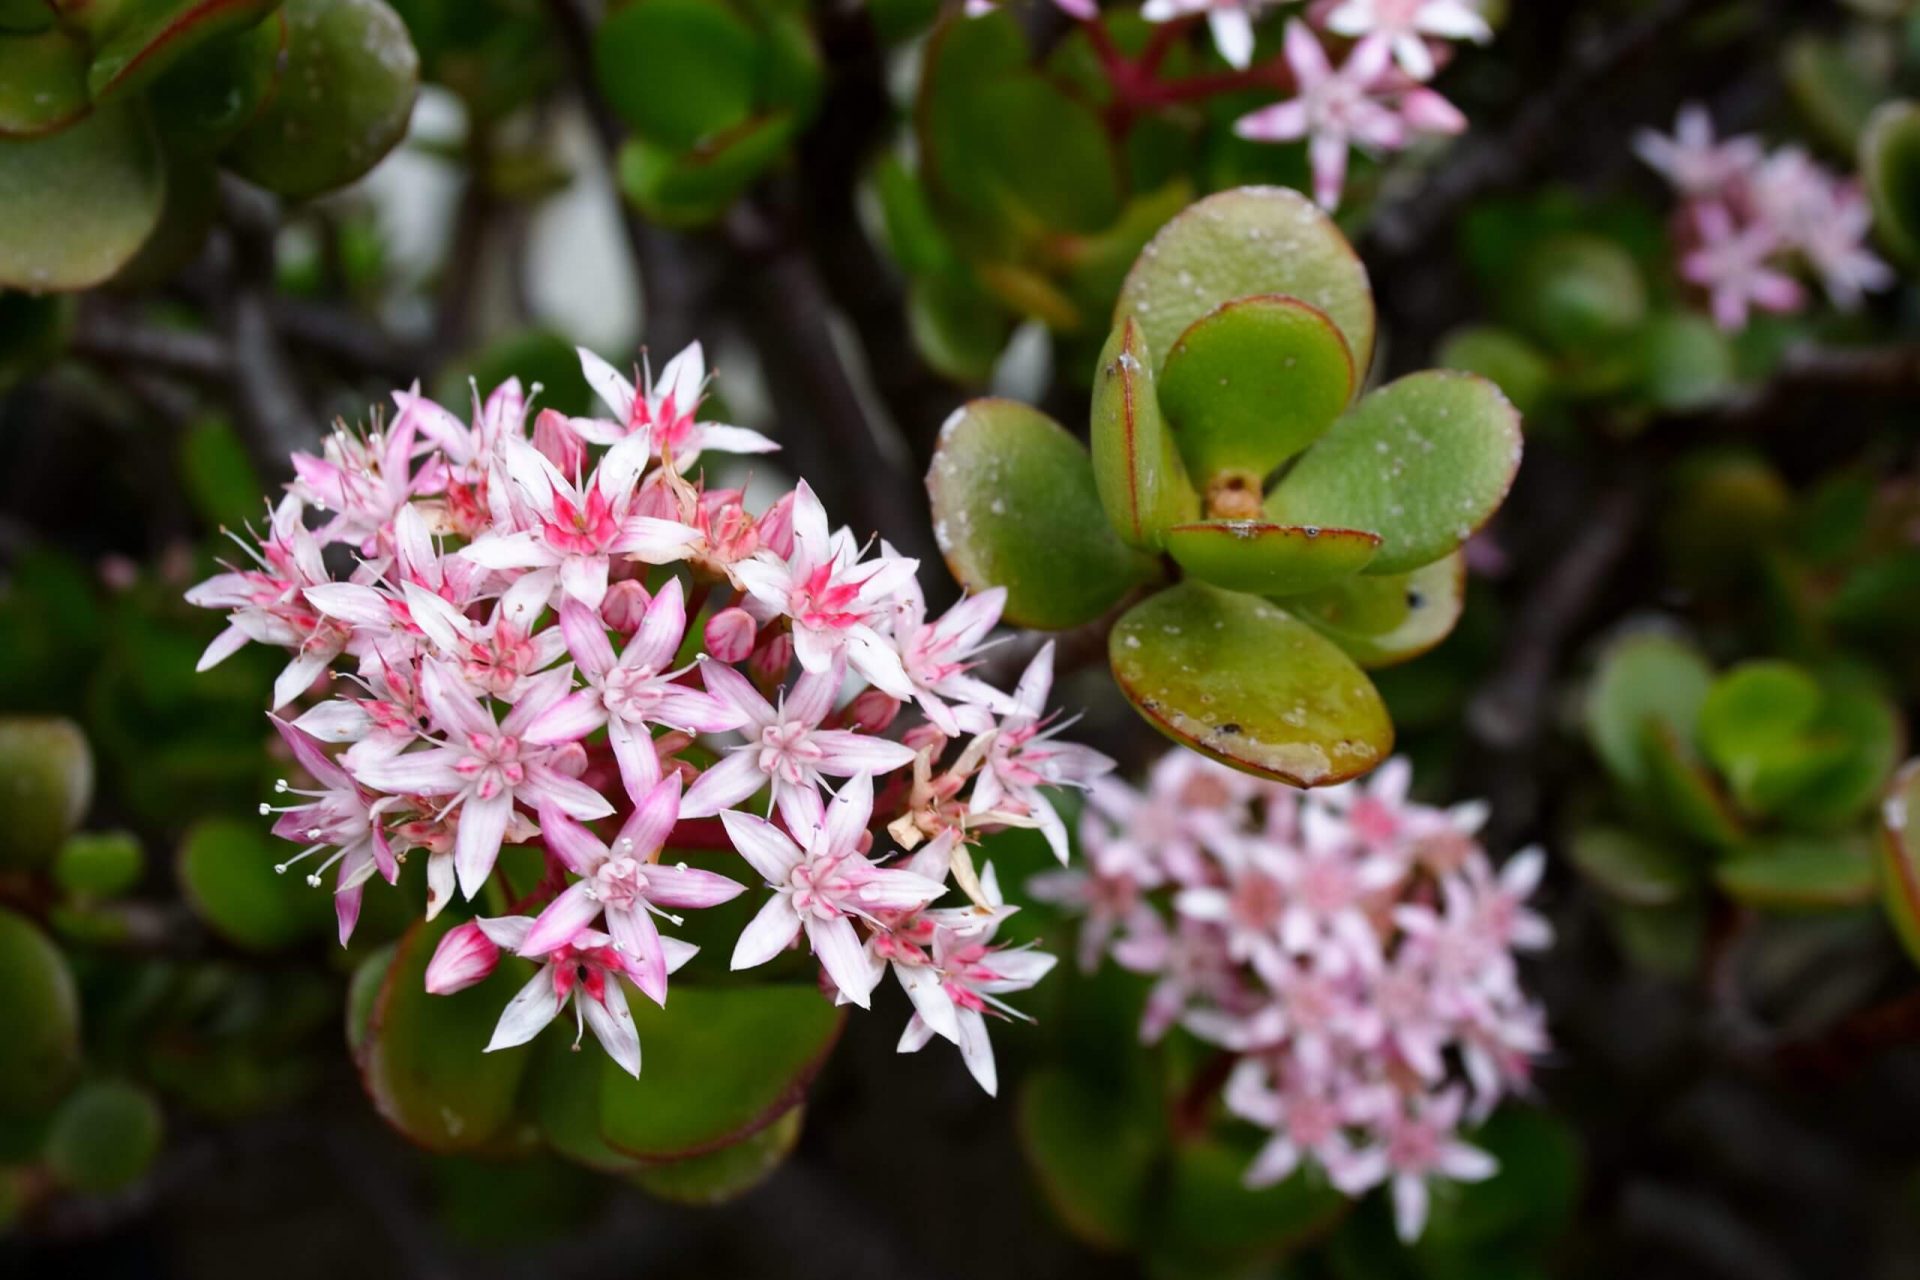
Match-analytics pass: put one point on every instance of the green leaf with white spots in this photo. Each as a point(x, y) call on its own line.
point(1423, 462)
point(344, 100)
point(1015, 505)
point(1252, 383)
point(1141, 481)
point(1243, 681)
point(1251, 240)
point(1383, 621)
point(1269, 559)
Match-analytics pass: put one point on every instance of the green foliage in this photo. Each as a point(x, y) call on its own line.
point(48, 779)
point(99, 864)
point(111, 123)
point(729, 1171)
point(104, 1136)
point(1890, 164)
point(40, 1008)
point(227, 873)
point(1253, 384)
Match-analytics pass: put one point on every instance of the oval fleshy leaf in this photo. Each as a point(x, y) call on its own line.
point(48, 772)
point(1644, 676)
point(1382, 621)
point(1890, 164)
point(1212, 1221)
point(677, 71)
point(686, 188)
point(43, 82)
point(1242, 242)
point(40, 1009)
point(136, 40)
point(214, 92)
point(1683, 792)
point(1093, 1152)
point(1900, 857)
point(423, 1059)
point(1269, 559)
point(1015, 506)
point(226, 871)
point(1252, 383)
point(722, 1063)
point(733, 1170)
point(1800, 873)
point(346, 97)
point(1423, 462)
point(1244, 682)
point(104, 1137)
point(77, 204)
point(1142, 484)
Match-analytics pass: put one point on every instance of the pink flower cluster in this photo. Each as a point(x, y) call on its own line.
point(1376, 99)
point(561, 636)
point(1750, 219)
point(1354, 952)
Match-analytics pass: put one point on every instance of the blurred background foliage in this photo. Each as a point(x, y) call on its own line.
point(1687, 661)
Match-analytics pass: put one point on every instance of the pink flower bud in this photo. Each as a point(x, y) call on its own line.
point(767, 668)
point(872, 711)
point(569, 758)
point(925, 735)
point(464, 957)
point(625, 605)
point(729, 635)
point(776, 527)
point(555, 437)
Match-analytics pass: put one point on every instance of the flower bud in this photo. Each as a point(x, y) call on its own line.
point(767, 668)
point(872, 711)
point(729, 635)
point(569, 758)
point(926, 736)
point(625, 605)
point(464, 957)
point(555, 437)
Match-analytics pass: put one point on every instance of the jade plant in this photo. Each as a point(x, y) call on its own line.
point(116, 117)
point(1264, 528)
point(1755, 785)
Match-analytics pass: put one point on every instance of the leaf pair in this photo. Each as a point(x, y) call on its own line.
point(1314, 536)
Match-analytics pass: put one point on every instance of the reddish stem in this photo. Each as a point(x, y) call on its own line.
point(1137, 86)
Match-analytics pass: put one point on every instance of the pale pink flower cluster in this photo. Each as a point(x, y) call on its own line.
point(1750, 219)
point(1376, 98)
point(1354, 951)
point(559, 637)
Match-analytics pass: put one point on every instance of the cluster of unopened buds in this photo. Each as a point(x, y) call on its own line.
point(564, 638)
point(1375, 98)
point(1352, 951)
point(1749, 219)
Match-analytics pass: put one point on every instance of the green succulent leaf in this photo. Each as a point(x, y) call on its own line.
point(1246, 683)
point(1015, 505)
point(694, 186)
point(1890, 164)
point(677, 71)
point(226, 870)
point(1094, 1152)
point(40, 1009)
point(1384, 621)
point(956, 326)
point(1834, 88)
point(1633, 869)
point(215, 91)
point(1504, 358)
point(1423, 462)
point(1642, 677)
point(422, 1058)
point(1045, 155)
point(77, 204)
point(1576, 292)
point(1269, 559)
point(1141, 481)
point(43, 82)
point(1686, 362)
point(1210, 1218)
point(99, 864)
point(1684, 794)
point(1800, 873)
point(1252, 383)
point(721, 1063)
point(1252, 240)
point(48, 772)
point(731, 1171)
point(135, 40)
point(1790, 747)
point(104, 1136)
point(345, 99)
point(1900, 857)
